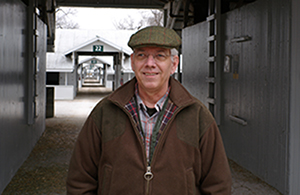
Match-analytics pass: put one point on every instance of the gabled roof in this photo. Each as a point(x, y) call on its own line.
point(99, 60)
point(95, 40)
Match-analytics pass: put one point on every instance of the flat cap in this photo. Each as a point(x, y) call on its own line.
point(155, 36)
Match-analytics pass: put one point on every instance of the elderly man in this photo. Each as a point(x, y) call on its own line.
point(150, 136)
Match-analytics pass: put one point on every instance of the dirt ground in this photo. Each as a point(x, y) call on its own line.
point(45, 170)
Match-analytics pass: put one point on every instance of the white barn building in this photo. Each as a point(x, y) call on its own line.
point(80, 51)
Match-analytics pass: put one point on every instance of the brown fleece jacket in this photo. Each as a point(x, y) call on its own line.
point(109, 155)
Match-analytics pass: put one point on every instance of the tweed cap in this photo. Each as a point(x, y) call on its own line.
point(155, 36)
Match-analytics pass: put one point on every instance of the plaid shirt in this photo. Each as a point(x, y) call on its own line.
point(148, 122)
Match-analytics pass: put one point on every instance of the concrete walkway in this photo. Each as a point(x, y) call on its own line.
point(44, 172)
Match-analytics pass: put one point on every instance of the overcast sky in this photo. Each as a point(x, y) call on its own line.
point(103, 18)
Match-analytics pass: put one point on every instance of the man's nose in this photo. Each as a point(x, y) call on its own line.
point(150, 60)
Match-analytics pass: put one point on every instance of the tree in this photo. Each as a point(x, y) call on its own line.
point(128, 24)
point(154, 18)
point(64, 19)
point(148, 18)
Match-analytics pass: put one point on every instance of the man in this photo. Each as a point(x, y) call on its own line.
point(150, 136)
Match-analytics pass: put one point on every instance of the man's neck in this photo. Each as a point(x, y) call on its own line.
point(151, 98)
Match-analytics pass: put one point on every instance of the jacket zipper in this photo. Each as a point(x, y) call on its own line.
point(148, 174)
point(160, 143)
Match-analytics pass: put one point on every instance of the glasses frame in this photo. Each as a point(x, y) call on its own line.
point(155, 56)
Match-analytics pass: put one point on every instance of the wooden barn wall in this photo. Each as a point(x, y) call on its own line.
point(294, 144)
point(17, 137)
point(260, 93)
point(194, 60)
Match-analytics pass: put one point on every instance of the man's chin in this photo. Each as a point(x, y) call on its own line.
point(150, 86)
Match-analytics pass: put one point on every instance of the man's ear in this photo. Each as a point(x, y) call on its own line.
point(132, 64)
point(175, 63)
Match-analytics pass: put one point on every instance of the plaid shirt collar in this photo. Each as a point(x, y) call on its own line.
point(149, 141)
point(158, 106)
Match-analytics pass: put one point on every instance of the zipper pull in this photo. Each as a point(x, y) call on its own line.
point(148, 175)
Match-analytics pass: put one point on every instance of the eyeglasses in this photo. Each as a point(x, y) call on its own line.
point(158, 57)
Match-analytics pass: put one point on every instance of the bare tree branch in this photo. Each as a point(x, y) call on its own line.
point(63, 19)
point(154, 17)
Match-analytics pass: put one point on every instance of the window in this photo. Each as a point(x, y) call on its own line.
point(52, 78)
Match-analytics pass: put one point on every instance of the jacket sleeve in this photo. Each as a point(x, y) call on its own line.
point(83, 168)
point(216, 175)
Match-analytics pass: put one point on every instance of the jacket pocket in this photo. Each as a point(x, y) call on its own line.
point(106, 180)
point(190, 181)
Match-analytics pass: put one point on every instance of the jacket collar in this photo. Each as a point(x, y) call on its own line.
point(178, 94)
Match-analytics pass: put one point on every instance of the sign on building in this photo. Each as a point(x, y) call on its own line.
point(97, 48)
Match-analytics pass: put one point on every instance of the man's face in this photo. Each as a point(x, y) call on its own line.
point(153, 67)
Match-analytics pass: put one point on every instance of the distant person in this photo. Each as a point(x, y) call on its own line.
point(150, 136)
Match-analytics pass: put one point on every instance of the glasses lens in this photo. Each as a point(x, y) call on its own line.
point(159, 57)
